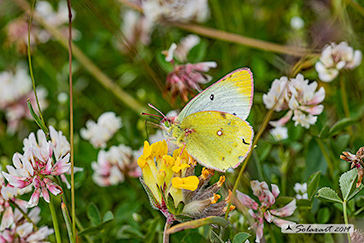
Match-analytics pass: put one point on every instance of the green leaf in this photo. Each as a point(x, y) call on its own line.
point(198, 52)
point(356, 191)
point(108, 216)
point(36, 118)
point(323, 215)
point(166, 66)
point(180, 207)
point(341, 124)
point(96, 229)
point(67, 220)
point(347, 183)
point(325, 131)
point(93, 214)
point(241, 237)
point(170, 204)
point(313, 183)
point(326, 193)
point(198, 223)
point(129, 232)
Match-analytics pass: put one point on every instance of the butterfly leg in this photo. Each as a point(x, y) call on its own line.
point(183, 148)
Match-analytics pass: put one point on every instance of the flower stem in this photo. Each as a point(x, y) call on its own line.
point(344, 96)
point(329, 162)
point(55, 221)
point(73, 204)
point(166, 227)
point(357, 6)
point(266, 120)
point(234, 38)
point(30, 64)
point(104, 80)
point(25, 215)
point(346, 219)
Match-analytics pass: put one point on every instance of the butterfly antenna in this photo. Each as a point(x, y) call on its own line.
point(148, 114)
point(153, 107)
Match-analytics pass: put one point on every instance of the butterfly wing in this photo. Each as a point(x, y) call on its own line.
point(232, 94)
point(217, 140)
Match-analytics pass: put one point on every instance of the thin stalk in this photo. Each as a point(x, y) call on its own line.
point(266, 120)
point(67, 220)
point(330, 164)
point(166, 227)
point(25, 215)
point(55, 221)
point(357, 6)
point(344, 96)
point(30, 61)
point(73, 203)
point(234, 38)
point(346, 219)
point(104, 80)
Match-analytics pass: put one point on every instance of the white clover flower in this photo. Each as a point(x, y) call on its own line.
point(335, 58)
point(279, 133)
point(57, 18)
point(301, 190)
point(101, 132)
point(176, 10)
point(15, 89)
point(36, 167)
point(136, 28)
point(112, 166)
point(181, 50)
point(20, 230)
point(297, 95)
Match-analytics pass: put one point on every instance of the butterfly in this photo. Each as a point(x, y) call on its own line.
point(212, 127)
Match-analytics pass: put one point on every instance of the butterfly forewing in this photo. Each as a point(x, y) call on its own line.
point(217, 140)
point(232, 94)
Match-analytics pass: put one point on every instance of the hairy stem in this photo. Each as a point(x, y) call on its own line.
point(166, 227)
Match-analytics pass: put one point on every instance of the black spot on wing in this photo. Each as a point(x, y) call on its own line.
point(223, 158)
point(234, 114)
point(244, 142)
point(212, 97)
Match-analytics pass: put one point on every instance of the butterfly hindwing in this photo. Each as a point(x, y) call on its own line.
point(217, 140)
point(231, 94)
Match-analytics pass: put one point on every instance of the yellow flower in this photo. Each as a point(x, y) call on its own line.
point(172, 186)
point(188, 183)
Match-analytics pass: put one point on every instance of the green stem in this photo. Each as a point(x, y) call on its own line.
point(273, 240)
point(234, 38)
point(357, 6)
point(266, 120)
point(329, 162)
point(344, 96)
point(104, 80)
point(25, 215)
point(73, 203)
point(55, 221)
point(346, 219)
point(30, 62)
